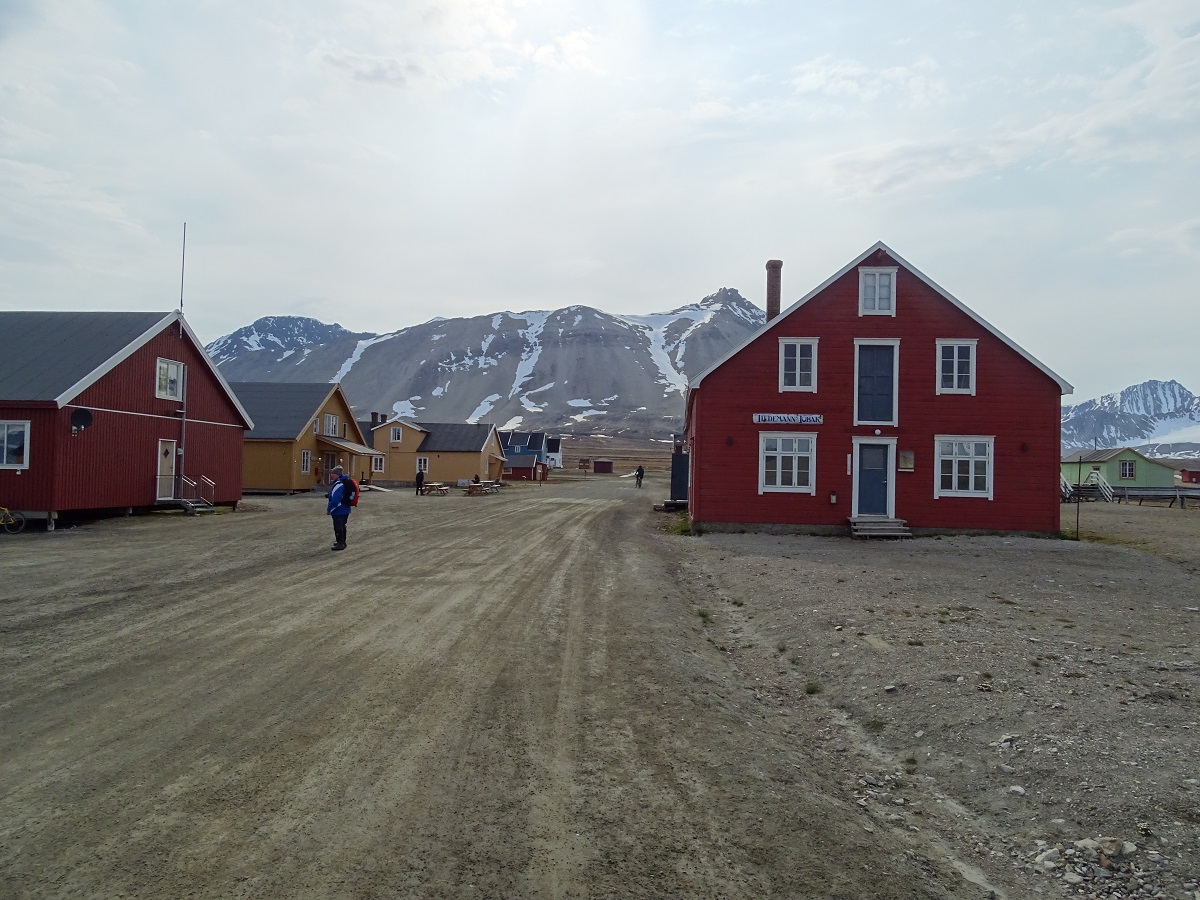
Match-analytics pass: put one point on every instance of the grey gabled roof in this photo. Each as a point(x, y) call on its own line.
point(53, 357)
point(453, 437)
point(281, 411)
point(49, 356)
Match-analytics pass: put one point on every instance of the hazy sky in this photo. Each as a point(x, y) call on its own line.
point(380, 162)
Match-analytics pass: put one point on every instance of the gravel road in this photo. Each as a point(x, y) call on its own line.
point(517, 696)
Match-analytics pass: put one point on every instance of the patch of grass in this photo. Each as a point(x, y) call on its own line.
point(1007, 602)
point(705, 615)
point(916, 643)
point(812, 687)
point(985, 676)
point(910, 760)
point(738, 602)
point(679, 524)
point(794, 659)
point(781, 647)
point(875, 726)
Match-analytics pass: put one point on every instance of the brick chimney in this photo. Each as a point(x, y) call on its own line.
point(374, 419)
point(774, 266)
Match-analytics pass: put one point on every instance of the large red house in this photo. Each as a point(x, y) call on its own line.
point(113, 410)
point(875, 401)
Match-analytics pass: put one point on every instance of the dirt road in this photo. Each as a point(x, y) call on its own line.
point(497, 697)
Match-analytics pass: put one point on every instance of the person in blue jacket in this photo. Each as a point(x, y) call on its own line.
point(339, 496)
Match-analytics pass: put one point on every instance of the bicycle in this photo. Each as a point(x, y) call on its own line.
point(10, 521)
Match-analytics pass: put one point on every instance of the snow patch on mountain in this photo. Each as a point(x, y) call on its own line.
point(405, 409)
point(483, 409)
point(532, 350)
point(357, 355)
point(1154, 411)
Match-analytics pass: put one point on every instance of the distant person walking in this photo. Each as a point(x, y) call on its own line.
point(420, 481)
point(340, 496)
point(640, 473)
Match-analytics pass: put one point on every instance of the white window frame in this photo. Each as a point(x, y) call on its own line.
point(798, 342)
point(865, 273)
point(397, 434)
point(377, 464)
point(331, 425)
point(164, 367)
point(881, 342)
point(423, 464)
point(939, 491)
point(1132, 463)
point(317, 425)
point(305, 462)
point(811, 437)
point(956, 343)
point(24, 426)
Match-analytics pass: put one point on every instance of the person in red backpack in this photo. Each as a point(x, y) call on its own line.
point(342, 497)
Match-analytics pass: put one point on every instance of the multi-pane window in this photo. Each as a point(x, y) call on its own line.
point(397, 434)
point(422, 463)
point(305, 462)
point(956, 367)
point(798, 364)
point(14, 445)
point(316, 427)
point(331, 424)
point(170, 380)
point(787, 462)
point(877, 292)
point(1129, 468)
point(376, 463)
point(964, 466)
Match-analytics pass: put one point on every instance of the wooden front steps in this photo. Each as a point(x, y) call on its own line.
point(878, 526)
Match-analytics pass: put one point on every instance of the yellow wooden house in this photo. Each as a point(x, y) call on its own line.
point(300, 433)
point(445, 452)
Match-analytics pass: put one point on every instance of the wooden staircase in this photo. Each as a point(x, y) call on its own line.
point(878, 526)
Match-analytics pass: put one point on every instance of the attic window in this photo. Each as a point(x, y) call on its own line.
point(331, 425)
point(170, 380)
point(877, 291)
point(397, 434)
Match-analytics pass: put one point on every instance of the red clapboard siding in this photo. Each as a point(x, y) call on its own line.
point(113, 462)
point(1015, 401)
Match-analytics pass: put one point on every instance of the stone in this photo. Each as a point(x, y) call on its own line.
point(889, 688)
point(1048, 856)
point(1017, 789)
point(1072, 878)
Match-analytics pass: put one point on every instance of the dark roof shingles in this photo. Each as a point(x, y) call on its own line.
point(280, 410)
point(46, 353)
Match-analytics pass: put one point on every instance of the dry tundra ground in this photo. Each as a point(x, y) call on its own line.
point(548, 693)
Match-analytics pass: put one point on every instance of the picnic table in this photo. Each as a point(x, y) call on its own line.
point(435, 487)
point(479, 488)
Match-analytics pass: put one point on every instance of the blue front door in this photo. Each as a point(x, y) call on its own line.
point(873, 479)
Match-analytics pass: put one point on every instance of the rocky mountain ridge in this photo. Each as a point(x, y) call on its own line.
point(1158, 418)
point(565, 369)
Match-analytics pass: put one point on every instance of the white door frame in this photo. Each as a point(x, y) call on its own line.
point(164, 481)
point(891, 475)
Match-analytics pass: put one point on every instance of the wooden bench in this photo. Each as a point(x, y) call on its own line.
point(436, 487)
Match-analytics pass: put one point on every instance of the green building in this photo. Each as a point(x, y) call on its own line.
point(1121, 467)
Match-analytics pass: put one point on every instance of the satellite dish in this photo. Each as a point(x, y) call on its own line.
point(81, 419)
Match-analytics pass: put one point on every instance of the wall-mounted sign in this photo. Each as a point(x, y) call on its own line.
point(788, 419)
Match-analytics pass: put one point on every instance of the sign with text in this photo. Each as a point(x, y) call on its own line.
point(788, 419)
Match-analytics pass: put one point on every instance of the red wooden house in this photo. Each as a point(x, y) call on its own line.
point(114, 410)
point(875, 401)
point(1189, 476)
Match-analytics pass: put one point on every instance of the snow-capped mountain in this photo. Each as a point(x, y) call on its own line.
point(283, 335)
point(1159, 418)
point(558, 369)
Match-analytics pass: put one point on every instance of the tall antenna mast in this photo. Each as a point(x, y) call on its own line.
point(182, 265)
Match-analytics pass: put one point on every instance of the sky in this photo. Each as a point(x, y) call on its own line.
point(377, 163)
